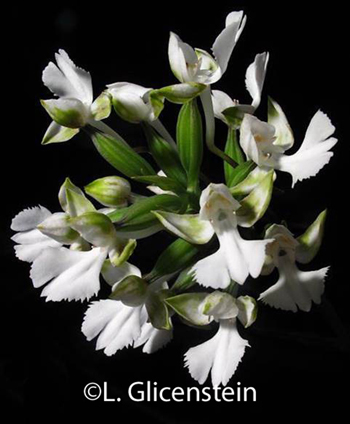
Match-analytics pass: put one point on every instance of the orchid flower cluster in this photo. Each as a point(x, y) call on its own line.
point(198, 279)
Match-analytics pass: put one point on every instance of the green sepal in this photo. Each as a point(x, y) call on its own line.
point(77, 204)
point(248, 310)
point(58, 134)
point(177, 256)
point(189, 227)
point(132, 291)
point(219, 305)
point(165, 155)
point(57, 227)
point(251, 181)
point(189, 134)
point(165, 183)
point(118, 154)
point(283, 132)
point(240, 173)
point(310, 242)
point(235, 114)
point(95, 227)
point(188, 306)
point(102, 106)
point(177, 93)
point(157, 309)
point(62, 195)
point(68, 113)
point(256, 203)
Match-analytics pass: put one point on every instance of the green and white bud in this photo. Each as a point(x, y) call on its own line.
point(132, 291)
point(220, 305)
point(96, 228)
point(102, 106)
point(248, 310)
point(130, 102)
point(57, 227)
point(110, 191)
point(71, 113)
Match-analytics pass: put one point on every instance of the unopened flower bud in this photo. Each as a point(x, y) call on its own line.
point(110, 191)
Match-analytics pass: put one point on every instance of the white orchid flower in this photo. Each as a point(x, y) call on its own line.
point(117, 325)
point(254, 80)
point(236, 258)
point(221, 355)
point(294, 288)
point(74, 107)
point(221, 214)
point(266, 143)
point(196, 65)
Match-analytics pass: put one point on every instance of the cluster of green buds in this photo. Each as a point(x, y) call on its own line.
point(199, 278)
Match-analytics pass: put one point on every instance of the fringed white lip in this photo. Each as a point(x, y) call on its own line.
point(218, 356)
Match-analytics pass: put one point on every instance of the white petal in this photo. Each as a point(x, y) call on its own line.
point(57, 82)
point(295, 289)
point(34, 242)
point(221, 101)
point(255, 77)
point(114, 274)
point(79, 79)
point(128, 88)
point(226, 41)
point(319, 129)
point(74, 275)
point(177, 59)
point(117, 325)
point(212, 271)
point(221, 355)
point(243, 257)
point(152, 339)
point(29, 218)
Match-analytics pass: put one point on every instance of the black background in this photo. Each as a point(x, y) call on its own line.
point(298, 363)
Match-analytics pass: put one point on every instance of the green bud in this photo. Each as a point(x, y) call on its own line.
point(57, 227)
point(69, 113)
point(177, 93)
point(188, 306)
point(165, 155)
point(110, 191)
point(132, 291)
point(120, 155)
point(190, 142)
point(248, 310)
point(220, 305)
point(101, 107)
point(95, 227)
